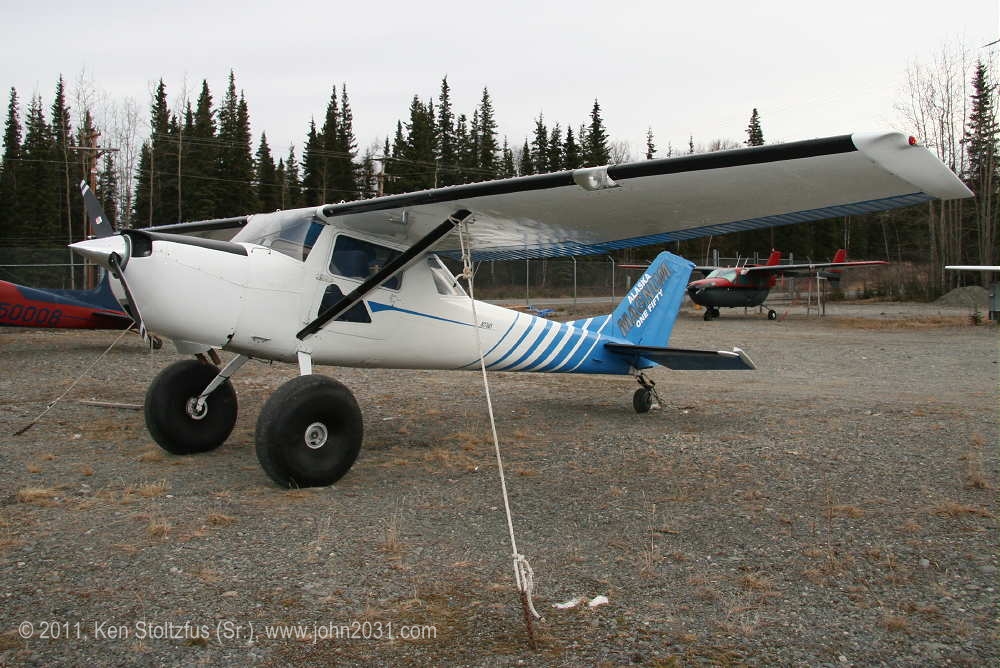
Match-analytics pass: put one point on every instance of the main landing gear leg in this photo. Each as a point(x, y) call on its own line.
point(645, 396)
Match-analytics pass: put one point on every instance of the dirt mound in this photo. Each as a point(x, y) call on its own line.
point(968, 296)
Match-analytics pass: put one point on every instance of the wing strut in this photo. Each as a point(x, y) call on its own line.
point(388, 271)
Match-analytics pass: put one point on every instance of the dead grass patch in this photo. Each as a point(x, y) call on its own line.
point(158, 528)
point(220, 519)
point(953, 509)
point(36, 496)
point(852, 512)
point(896, 623)
point(151, 454)
point(891, 324)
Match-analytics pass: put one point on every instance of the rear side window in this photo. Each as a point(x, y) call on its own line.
point(355, 258)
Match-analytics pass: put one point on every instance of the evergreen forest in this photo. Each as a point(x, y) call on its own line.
point(200, 162)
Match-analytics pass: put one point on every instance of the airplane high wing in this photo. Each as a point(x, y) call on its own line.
point(597, 210)
point(600, 209)
point(359, 284)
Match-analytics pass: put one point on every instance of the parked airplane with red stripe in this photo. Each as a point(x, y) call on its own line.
point(731, 287)
point(22, 306)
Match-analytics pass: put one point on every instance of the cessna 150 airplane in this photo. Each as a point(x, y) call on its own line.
point(749, 286)
point(356, 283)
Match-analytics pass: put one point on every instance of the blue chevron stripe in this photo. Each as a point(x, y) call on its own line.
point(530, 348)
point(531, 324)
point(486, 354)
point(561, 334)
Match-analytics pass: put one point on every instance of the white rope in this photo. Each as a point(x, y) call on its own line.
point(72, 385)
point(523, 575)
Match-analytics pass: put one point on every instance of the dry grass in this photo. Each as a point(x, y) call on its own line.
point(219, 519)
point(38, 496)
point(158, 528)
point(896, 623)
point(890, 324)
point(852, 512)
point(953, 509)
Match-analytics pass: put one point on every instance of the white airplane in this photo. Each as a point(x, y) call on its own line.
point(356, 283)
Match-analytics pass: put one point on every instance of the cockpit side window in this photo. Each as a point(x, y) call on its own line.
point(445, 282)
point(355, 258)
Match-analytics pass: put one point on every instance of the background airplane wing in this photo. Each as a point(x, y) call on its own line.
point(600, 209)
point(806, 269)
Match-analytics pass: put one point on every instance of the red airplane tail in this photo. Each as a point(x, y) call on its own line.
point(773, 258)
point(841, 255)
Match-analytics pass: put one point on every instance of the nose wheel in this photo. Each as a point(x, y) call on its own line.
point(711, 313)
point(177, 420)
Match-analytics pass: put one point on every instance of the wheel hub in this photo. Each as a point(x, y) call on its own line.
point(196, 411)
point(316, 435)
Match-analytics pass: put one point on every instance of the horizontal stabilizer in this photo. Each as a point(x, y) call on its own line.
point(683, 359)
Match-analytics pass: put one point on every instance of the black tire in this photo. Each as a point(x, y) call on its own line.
point(708, 315)
point(642, 400)
point(169, 403)
point(307, 408)
point(772, 314)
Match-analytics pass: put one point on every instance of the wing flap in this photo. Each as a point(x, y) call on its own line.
point(685, 359)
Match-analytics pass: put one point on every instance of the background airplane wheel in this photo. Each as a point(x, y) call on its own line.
point(170, 409)
point(309, 432)
point(642, 400)
point(772, 314)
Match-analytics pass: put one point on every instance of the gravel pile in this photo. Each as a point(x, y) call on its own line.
point(838, 506)
point(970, 295)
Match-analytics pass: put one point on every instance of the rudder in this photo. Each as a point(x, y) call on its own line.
point(645, 317)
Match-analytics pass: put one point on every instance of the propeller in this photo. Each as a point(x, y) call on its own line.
point(112, 251)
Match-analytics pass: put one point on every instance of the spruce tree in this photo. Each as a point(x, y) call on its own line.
point(329, 147)
point(268, 188)
point(526, 166)
point(38, 218)
point(107, 189)
point(597, 139)
point(487, 149)
point(236, 167)
point(312, 168)
point(465, 150)
point(367, 187)
point(201, 160)
point(540, 147)
point(983, 173)
point(346, 183)
point(555, 155)
point(291, 193)
point(507, 169)
point(650, 146)
point(445, 135)
point(9, 163)
point(755, 136)
point(63, 164)
point(571, 151)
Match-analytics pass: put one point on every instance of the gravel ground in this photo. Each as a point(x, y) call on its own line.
point(837, 506)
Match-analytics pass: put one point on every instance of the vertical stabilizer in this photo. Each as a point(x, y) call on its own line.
point(645, 317)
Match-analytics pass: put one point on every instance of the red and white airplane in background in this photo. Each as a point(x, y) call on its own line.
point(731, 287)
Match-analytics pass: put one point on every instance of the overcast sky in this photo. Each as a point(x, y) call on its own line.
point(696, 67)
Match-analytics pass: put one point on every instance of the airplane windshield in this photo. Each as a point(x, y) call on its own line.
point(290, 233)
point(728, 274)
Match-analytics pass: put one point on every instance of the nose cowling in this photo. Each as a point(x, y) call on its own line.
point(99, 250)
